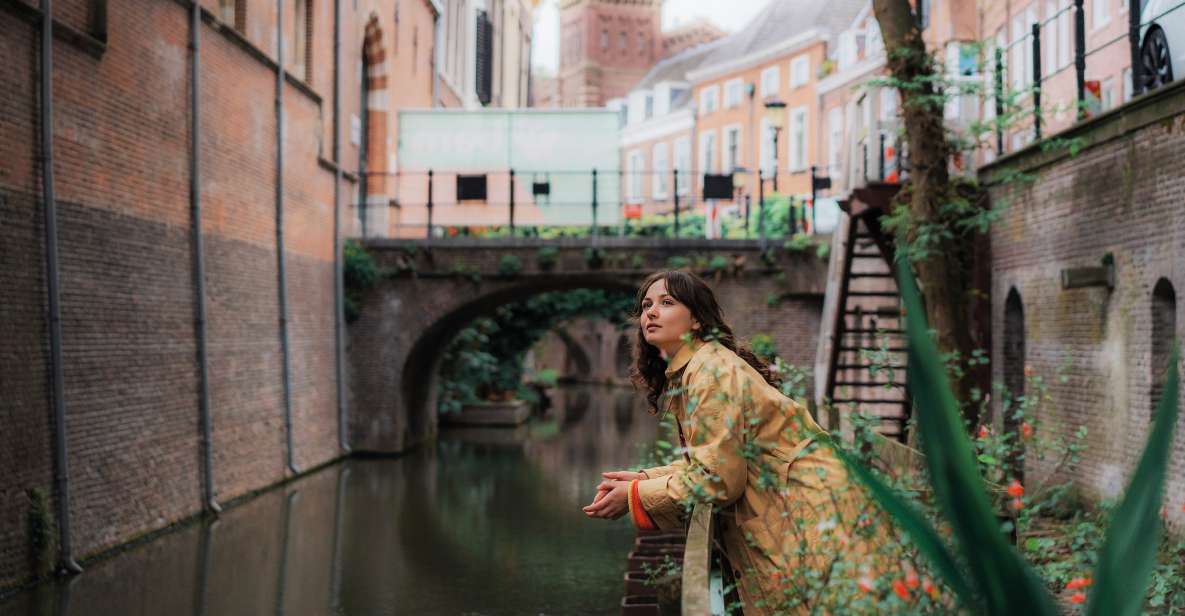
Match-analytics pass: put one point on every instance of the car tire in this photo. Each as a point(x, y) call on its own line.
point(1156, 65)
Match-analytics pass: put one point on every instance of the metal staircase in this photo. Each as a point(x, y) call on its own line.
point(866, 371)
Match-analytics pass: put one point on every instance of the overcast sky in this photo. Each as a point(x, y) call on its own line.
point(729, 15)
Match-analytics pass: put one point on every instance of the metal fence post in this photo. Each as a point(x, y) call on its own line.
point(1133, 35)
point(512, 203)
point(1037, 81)
point(1080, 54)
point(594, 202)
point(761, 207)
point(999, 102)
point(429, 204)
point(748, 205)
point(676, 174)
point(881, 163)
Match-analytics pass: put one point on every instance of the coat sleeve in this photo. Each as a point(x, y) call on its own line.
point(663, 471)
point(713, 424)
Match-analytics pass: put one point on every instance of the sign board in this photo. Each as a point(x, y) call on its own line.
point(631, 210)
point(717, 186)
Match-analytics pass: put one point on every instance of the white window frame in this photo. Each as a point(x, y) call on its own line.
point(660, 168)
point(798, 123)
point(1064, 39)
point(766, 149)
point(1100, 14)
point(835, 132)
point(800, 71)
point(707, 159)
point(635, 165)
point(1049, 39)
point(709, 99)
point(771, 78)
point(848, 54)
point(683, 163)
point(731, 132)
point(734, 91)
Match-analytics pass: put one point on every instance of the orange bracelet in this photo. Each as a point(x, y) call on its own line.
point(642, 520)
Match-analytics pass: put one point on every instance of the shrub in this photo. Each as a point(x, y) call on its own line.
point(510, 265)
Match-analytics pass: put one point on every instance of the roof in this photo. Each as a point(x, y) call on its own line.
point(676, 67)
point(781, 21)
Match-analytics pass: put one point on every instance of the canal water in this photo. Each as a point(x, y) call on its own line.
point(487, 521)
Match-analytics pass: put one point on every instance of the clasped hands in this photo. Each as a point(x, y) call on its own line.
point(612, 498)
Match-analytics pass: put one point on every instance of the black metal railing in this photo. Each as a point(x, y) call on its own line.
point(570, 203)
point(1003, 96)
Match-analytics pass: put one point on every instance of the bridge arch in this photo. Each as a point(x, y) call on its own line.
point(435, 289)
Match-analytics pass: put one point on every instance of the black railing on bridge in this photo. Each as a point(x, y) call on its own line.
point(1090, 99)
point(742, 204)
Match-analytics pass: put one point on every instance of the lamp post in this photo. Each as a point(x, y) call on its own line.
point(775, 116)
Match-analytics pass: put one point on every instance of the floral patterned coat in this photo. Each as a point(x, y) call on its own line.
point(794, 530)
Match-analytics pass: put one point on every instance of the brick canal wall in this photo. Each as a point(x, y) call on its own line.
point(122, 140)
point(1123, 194)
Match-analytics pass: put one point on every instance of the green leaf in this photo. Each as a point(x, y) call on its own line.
point(912, 522)
point(1129, 551)
point(986, 459)
point(1006, 585)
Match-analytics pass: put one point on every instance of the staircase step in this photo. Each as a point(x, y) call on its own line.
point(869, 401)
point(883, 312)
point(882, 331)
point(888, 349)
point(867, 384)
point(869, 367)
point(872, 294)
point(870, 275)
point(867, 255)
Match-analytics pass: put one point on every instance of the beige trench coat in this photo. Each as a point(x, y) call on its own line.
point(786, 511)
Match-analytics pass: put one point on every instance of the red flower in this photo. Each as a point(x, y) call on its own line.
point(911, 578)
point(929, 588)
point(983, 432)
point(1078, 598)
point(1016, 490)
point(899, 588)
point(1026, 429)
point(1017, 504)
point(1079, 583)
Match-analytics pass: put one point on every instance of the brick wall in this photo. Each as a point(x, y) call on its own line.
point(1121, 194)
point(128, 299)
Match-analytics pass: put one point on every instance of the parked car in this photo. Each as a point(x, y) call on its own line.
point(1162, 41)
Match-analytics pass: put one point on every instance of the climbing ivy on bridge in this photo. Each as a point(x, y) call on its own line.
point(484, 361)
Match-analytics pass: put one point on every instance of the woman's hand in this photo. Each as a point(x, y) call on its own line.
point(624, 475)
point(611, 502)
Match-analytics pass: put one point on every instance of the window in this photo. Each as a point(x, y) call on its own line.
point(1127, 84)
point(835, 138)
point(1049, 40)
point(847, 49)
point(299, 35)
point(733, 89)
point(662, 171)
point(924, 14)
point(876, 43)
point(709, 99)
point(1014, 354)
point(683, 164)
point(1022, 49)
point(888, 104)
point(800, 71)
point(1108, 93)
point(641, 42)
point(798, 137)
point(707, 154)
point(1063, 38)
point(1100, 15)
point(624, 41)
point(226, 11)
point(770, 81)
point(635, 166)
point(1164, 332)
point(732, 148)
point(604, 39)
point(767, 148)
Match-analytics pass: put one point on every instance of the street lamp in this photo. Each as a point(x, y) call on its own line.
point(775, 115)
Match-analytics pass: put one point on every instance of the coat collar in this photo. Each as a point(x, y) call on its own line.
point(682, 356)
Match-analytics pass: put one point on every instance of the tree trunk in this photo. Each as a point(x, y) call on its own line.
point(948, 276)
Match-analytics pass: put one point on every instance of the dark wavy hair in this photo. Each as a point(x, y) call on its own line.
point(649, 368)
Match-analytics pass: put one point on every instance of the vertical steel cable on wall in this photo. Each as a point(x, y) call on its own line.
point(338, 264)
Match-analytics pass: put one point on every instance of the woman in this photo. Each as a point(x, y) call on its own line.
point(796, 535)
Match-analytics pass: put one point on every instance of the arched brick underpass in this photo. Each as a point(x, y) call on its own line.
point(431, 291)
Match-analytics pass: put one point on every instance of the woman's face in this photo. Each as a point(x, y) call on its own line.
point(664, 320)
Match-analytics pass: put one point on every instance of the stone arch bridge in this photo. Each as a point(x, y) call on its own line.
point(432, 289)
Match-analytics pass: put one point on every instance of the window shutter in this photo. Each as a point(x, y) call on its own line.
point(485, 58)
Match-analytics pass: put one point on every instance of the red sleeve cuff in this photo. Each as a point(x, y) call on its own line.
point(642, 520)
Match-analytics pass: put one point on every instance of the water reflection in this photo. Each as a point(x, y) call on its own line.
point(486, 522)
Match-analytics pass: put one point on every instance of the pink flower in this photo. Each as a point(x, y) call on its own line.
point(1017, 504)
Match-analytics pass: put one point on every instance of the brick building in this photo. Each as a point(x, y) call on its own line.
point(703, 110)
point(126, 192)
point(606, 47)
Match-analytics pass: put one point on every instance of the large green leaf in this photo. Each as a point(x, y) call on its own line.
point(1005, 584)
point(1129, 552)
point(912, 522)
